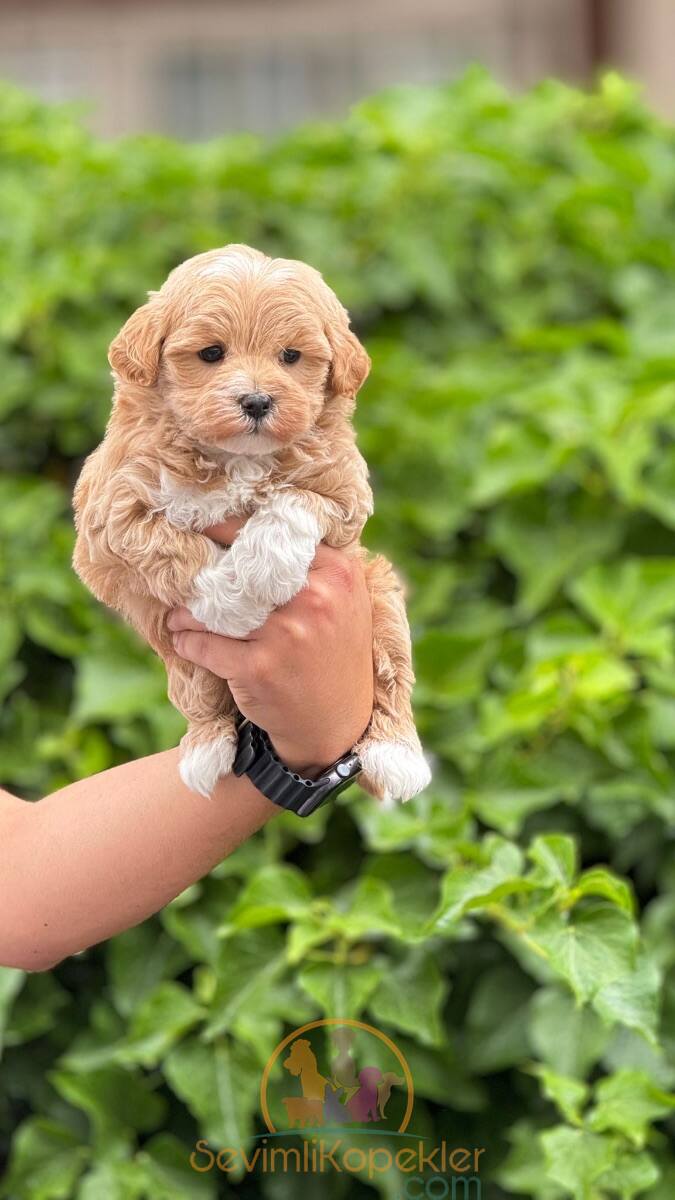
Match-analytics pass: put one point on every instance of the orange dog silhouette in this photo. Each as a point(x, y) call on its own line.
point(302, 1061)
point(301, 1111)
point(389, 1080)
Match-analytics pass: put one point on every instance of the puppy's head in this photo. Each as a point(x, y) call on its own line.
point(244, 350)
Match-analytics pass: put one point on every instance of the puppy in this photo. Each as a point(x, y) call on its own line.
point(234, 387)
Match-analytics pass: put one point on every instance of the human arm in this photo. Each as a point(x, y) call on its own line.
point(104, 853)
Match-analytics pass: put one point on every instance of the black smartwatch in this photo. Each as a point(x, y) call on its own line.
point(256, 758)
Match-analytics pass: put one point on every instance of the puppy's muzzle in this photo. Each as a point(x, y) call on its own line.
point(255, 405)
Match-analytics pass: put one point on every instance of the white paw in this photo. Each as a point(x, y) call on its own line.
point(220, 602)
point(396, 771)
point(266, 566)
point(203, 763)
point(273, 553)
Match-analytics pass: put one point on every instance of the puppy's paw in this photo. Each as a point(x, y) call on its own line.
point(220, 602)
point(394, 771)
point(274, 551)
point(203, 763)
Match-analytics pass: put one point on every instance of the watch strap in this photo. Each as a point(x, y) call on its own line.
point(257, 759)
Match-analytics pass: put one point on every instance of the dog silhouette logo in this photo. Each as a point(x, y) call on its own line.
point(346, 1073)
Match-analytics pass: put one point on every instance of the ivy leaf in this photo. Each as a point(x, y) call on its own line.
point(598, 881)
point(113, 1180)
point(167, 1172)
point(411, 999)
point(632, 600)
point(165, 1015)
point(11, 982)
point(115, 1100)
point(219, 1084)
point(196, 922)
point(414, 889)
point(628, 1102)
point(111, 686)
point(632, 999)
point(566, 1035)
point(46, 1162)
point(340, 990)
point(138, 960)
point(632, 1175)
point(556, 856)
point(589, 948)
point(36, 1009)
point(569, 1095)
point(577, 1158)
point(475, 887)
point(249, 965)
point(524, 1168)
point(277, 892)
point(490, 1045)
point(544, 548)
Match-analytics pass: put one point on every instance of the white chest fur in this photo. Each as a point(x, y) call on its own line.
point(244, 484)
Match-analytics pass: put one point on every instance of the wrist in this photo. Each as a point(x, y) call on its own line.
point(308, 762)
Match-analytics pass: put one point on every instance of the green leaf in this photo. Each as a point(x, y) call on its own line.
point(162, 1019)
point(588, 948)
point(219, 1084)
point(248, 974)
point(36, 1009)
point(116, 1179)
point(488, 1045)
point(47, 1160)
point(629, 1103)
point(11, 982)
point(138, 960)
point(110, 687)
point(476, 887)
point(546, 545)
point(556, 856)
point(577, 1158)
point(275, 893)
point(340, 989)
point(569, 1037)
point(195, 919)
point(414, 889)
point(632, 999)
point(631, 1176)
point(168, 1174)
point(114, 1099)
point(568, 1095)
point(598, 881)
point(524, 1168)
point(632, 601)
point(411, 999)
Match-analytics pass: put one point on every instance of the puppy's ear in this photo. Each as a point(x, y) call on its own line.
point(350, 364)
point(134, 353)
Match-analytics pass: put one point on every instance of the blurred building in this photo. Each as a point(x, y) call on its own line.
point(201, 68)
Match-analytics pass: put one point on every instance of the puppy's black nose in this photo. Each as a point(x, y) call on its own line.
point(256, 404)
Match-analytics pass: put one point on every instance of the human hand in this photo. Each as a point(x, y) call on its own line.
point(306, 676)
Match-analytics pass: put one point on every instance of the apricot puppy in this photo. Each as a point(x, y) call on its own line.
point(234, 387)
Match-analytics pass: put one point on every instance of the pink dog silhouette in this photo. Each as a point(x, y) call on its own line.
point(363, 1106)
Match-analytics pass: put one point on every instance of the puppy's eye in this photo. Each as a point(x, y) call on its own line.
point(212, 354)
point(289, 356)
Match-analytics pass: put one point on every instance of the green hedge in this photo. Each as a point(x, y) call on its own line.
point(511, 265)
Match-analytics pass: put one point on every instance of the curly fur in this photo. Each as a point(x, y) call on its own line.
point(180, 453)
